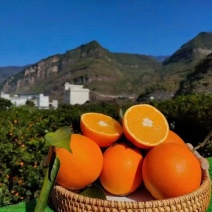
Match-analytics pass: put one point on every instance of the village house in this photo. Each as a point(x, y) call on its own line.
point(75, 94)
point(40, 101)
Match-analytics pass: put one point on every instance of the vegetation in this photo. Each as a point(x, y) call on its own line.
point(190, 116)
point(24, 149)
point(5, 103)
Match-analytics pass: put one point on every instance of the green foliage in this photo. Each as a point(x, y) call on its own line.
point(94, 191)
point(191, 117)
point(5, 103)
point(60, 138)
point(145, 96)
point(30, 103)
point(23, 151)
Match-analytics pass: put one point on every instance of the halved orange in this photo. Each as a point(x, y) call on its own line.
point(145, 126)
point(101, 128)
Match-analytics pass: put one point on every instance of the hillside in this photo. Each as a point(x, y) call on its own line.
point(192, 51)
point(200, 80)
point(8, 71)
point(184, 59)
point(182, 62)
point(109, 74)
point(103, 72)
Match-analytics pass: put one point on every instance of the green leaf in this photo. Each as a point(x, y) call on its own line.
point(54, 166)
point(60, 138)
point(48, 183)
point(119, 111)
point(94, 191)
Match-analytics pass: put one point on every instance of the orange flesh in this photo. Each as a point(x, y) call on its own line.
point(102, 124)
point(147, 126)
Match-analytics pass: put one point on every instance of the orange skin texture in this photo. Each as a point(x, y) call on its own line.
point(104, 136)
point(174, 138)
point(81, 167)
point(171, 170)
point(122, 169)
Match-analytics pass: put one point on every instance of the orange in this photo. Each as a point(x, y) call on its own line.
point(170, 170)
point(103, 129)
point(145, 126)
point(122, 169)
point(81, 167)
point(174, 138)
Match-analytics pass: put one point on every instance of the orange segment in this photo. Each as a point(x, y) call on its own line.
point(145, 126)
point(102, 129)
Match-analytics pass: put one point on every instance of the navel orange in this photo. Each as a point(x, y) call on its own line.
point(145, 126)
point(122, 169)
point(170, 170)
point(103, 129)
point(81, 167)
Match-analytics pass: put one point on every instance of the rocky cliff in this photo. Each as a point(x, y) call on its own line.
point(98, 69)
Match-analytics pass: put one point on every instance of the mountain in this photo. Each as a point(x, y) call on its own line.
point(161, 58)
point(200, 80)
point(192, 51)
point(120, 75)
point(182, 62)
point(103, 72)
point(7, 71)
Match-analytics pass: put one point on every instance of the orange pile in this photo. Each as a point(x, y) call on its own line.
point(169, 168)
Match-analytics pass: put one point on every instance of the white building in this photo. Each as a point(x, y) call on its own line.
point(75, 94)
point(54, 103)
point(18, 101)
point(43, 101)
point(4, 95)
point(15, 100)
point(40, 101)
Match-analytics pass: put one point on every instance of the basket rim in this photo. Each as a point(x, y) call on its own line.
point(205, 185)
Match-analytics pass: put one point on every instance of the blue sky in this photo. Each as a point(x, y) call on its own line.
point(35, 29)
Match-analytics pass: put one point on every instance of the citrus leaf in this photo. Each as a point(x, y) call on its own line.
point(53, 167)
point(120, 112)
point(60, 138)
point(94, 191)
point(48, 183)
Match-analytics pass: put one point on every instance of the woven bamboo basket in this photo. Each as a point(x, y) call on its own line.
point(67, 201)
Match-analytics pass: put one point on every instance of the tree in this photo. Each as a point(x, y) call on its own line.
point(5, 103)
point(30, 103)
